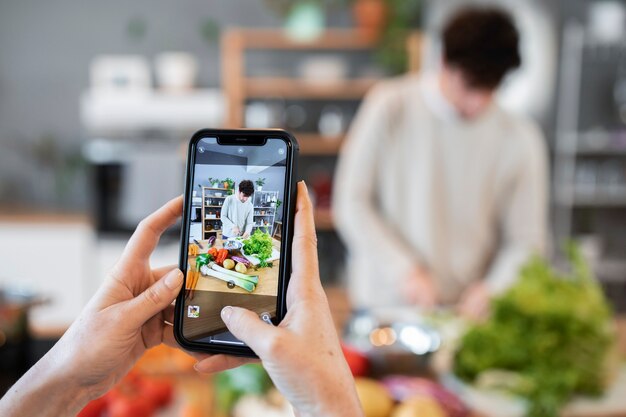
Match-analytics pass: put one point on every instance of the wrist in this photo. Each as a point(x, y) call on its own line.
point(47, 389)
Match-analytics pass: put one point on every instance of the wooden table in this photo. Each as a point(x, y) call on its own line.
point(212, 294)
point(268, 277)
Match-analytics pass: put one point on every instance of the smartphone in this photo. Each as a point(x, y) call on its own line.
point(239, 205)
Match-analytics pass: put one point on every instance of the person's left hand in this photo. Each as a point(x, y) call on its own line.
point(474, 303)
point(126, 316)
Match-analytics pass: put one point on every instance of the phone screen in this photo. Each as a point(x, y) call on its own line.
point(234, 235)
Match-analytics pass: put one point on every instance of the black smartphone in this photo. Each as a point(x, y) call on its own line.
point(239, 205)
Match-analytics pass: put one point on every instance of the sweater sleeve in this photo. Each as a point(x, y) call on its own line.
point(227, 223)
point(523, 217)
point(354, 196)
point(249, 220)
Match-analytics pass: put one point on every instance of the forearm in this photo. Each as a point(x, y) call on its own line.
point(47, 389)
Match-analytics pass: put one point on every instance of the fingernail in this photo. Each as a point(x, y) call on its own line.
point(226, 312)
point(195, 367)
point(304, 184)
point(174, 279)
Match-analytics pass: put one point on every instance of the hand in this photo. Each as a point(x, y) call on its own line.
point(236, 231)
point(123, 319)
point(474, 303)
point(420, 289)
point(302, 355)
point(246, 235)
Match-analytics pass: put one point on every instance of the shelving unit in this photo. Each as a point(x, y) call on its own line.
point(589, 163)
point(264, 206)
point(240, 88)
point(212, 207)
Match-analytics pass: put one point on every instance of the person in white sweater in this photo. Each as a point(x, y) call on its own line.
point(237, 212)
point(441, 194)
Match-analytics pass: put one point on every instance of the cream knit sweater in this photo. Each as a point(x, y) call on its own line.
point(417, 185)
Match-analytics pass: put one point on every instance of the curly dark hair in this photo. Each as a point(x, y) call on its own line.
point(482, 42)
point(246, 187)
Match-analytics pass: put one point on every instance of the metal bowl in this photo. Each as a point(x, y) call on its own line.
point(233, 245)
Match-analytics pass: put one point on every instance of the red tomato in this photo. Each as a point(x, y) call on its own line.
point(359, 363)
point(126, 406)
point(158, 390)
point(94, 408)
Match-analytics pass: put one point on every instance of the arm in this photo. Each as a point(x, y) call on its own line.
point(124, 319)
point(227, 223)
point(354, 198)
point(524, 213)
point(249, 221)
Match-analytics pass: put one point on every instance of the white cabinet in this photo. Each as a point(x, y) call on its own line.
point(54, 260)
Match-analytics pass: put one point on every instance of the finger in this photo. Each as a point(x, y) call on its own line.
point(155, 298)
point(150, 229)
point(219, 363)
point(250, 329)
point(168, 314)
point(304, 248)
point(160, 272)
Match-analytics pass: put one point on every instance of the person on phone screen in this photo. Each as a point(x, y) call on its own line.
point(132, 312)
point(237, 212)
point(441, 194)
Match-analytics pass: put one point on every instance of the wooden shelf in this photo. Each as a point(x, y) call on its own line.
point(331, 39)
point(279, 87)
point(324, 219)
point(314, 144)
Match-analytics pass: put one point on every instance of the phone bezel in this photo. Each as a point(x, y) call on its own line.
point(243, 137)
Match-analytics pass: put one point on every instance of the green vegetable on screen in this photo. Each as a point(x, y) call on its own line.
point(259, 244)
point(553, 333)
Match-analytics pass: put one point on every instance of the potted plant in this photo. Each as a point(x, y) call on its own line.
point(215, 183)
point(228, 183)
point(259, 184)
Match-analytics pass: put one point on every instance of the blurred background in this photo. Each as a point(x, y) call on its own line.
point(99, 99)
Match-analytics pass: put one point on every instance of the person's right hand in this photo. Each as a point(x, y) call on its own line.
point(302, 355)
point(236, 231)
point(420, 289)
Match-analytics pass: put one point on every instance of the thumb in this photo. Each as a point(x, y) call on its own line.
point(155, 298)
point(250, 329)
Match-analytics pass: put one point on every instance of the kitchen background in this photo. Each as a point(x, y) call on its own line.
point(92, 95)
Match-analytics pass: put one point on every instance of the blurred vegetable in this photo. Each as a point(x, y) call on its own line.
point(222, 254)
point(193, 249)
point(358, 362)
point(553, 331)
point(405, 388)
point(419, 407)
point(203, 259)
point(233, 384)
point(232, 280)
point(375, 399)
point(259, 245)
point(243, 260)
point(94, 408)
point(251, 278)
point(211, 241)
point(229, 264)
point(241, 268)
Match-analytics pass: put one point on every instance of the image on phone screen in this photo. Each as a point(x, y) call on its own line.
point(234, 235)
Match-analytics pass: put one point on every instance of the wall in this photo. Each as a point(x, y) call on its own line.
point(45, 51)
